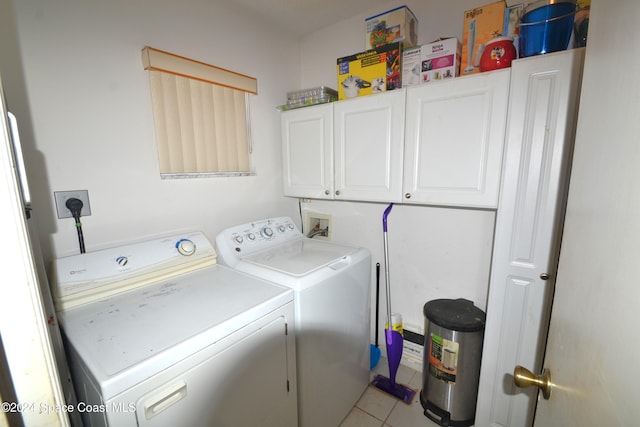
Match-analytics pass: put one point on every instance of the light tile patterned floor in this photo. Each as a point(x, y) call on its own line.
point(378, 409)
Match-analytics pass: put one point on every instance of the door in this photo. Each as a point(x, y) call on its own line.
point(369, 145)
point(454, 140)
point(29, 377)
point(540, 133)
point(307, 152)
point(593, 346)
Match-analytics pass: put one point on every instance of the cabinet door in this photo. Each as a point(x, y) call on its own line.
point(369, 139)
point(307, 152)
point(542, 115)
point(454, 140)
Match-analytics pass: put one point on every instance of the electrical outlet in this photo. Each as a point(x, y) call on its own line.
point(319, 225)
point(61, 198)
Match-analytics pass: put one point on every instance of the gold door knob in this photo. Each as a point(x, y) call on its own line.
point(525, 378)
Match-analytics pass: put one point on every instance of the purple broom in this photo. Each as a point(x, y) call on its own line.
point(393, 338)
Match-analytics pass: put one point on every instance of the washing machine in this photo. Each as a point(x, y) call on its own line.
point(331, 284)
point(158, 334)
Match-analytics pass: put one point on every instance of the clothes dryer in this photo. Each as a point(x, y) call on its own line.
point(158, 334)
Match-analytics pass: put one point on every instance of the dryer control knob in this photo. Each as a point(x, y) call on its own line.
point(238, 239)
point(186, 247)
point(267, 232)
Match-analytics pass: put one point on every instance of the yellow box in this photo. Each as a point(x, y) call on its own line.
point(395, 25)
point(372, 71)
point(480, 25)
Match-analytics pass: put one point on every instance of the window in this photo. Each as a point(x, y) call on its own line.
point(201, 116)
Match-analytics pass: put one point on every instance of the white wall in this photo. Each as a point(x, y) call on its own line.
point(89, 122)
point(434, 252)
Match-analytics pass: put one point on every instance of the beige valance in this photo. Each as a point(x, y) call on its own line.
point(158, 60)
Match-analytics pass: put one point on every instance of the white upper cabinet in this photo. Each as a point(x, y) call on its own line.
point(368, 143)
point(454, 140)
point(307, 152)
point(348, 150)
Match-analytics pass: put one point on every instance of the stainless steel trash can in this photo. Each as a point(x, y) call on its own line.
point(454, 331)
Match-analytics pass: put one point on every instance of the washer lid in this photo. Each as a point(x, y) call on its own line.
point(300, 257)
point(129, 337)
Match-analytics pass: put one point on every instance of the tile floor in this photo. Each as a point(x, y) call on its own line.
point(378, 409)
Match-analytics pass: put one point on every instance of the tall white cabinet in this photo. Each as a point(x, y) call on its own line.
point(542, 114)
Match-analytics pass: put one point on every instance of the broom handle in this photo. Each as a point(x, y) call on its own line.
point(386, 279)
point(386, 265)
point(377, 300)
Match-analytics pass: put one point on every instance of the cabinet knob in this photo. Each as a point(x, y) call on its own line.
point(544, 276)
point(338, 193)
point(326, 192)
point(407, 196)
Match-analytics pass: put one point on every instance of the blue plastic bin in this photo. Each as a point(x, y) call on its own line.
point(546, 27)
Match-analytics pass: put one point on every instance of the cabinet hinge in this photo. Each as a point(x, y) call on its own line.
point(287, 386)
point(286, 329)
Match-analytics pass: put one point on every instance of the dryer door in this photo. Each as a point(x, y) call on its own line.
point(249, 383)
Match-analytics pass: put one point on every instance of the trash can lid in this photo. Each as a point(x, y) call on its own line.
point(455, 314)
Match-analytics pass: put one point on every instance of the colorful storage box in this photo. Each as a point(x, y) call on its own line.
point(434, 61)
point(480, 25)
point(395, 25)
point(372, 71)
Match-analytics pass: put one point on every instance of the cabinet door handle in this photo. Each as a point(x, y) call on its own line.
point(544, 276)
point(407, 195)
point(326, 192)
point(338, 193)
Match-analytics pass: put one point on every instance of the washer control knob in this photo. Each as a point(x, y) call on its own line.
point(122, 261)
point(281, 228)
point(267, 232)
point(186, 247)
point(290, 226)
point(238, 239)
point(251, 236)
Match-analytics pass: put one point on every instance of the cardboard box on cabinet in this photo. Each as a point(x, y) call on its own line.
point(395, 25)
point(433, 61)
point(372, 71)
point(480, 25)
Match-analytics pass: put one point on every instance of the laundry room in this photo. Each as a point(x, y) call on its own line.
point(73, 72)
point(90, 126)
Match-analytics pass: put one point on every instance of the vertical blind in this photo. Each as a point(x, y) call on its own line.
point(200, 114)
